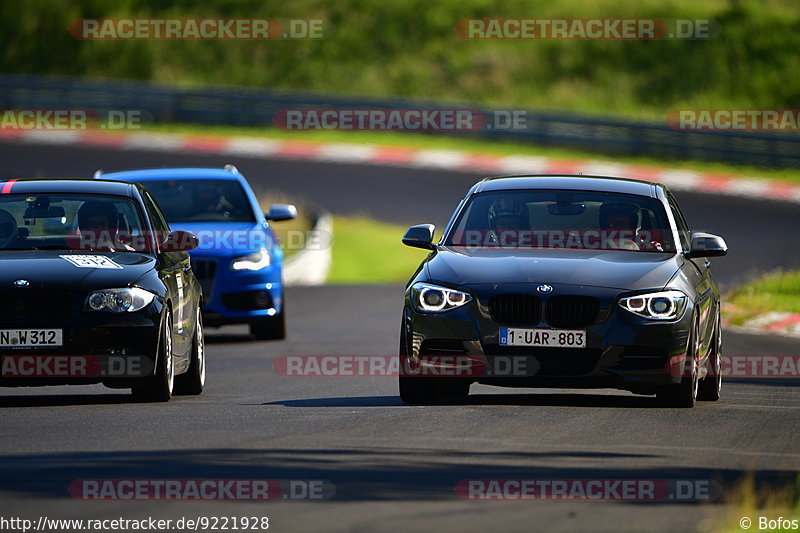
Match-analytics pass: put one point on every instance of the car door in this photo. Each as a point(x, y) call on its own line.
point(175, 274)
point(703, 282)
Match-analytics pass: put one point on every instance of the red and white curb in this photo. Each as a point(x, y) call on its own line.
point(771, 323)
point(452, 160)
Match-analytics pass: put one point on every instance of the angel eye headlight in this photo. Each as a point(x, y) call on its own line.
point(434, 299)
point(119, 300)
point(664, 305)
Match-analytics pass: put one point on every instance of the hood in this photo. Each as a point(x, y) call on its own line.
point(597, 268)
point(64, 269)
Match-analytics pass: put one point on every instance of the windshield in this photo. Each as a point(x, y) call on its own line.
point(563, 219)
point(70, 222)
point(201, 200)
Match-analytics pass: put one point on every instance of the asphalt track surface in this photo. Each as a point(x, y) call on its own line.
point(395, 467)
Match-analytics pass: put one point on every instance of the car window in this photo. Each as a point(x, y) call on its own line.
point(70, 222)
point(201, 200)
point(563, 219)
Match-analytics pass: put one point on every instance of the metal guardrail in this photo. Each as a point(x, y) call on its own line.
point(257, 107)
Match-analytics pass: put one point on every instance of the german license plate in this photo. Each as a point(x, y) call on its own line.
point(545, 338)
point(21, 338)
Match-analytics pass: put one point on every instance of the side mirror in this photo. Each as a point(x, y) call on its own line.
point(420, 236)
point(180, 241)
point(279, 212)
point(707, 245)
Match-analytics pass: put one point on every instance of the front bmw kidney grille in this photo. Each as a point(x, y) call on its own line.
point(36, 303)
point(559, 311)
point(571, 311)
point(516, 308)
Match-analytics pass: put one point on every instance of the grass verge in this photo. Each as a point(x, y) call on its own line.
point(368, 251)
point(776, 291)
point(751, 503)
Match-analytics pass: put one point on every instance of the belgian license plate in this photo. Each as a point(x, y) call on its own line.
point(21, 338)
point(546, 338)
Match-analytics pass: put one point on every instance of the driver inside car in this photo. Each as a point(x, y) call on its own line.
point(98, 226)
point(621, 224)
point(508, 221)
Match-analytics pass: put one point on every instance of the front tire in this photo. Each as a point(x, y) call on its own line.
point(193, 381)
point(414, 389)
point(159, 388)
point(710, 387)
point(684, 394)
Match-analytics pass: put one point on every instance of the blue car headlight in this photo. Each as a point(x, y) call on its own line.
point(431, 298)
point(662, 305)
point(256, 261)
point(119, 300)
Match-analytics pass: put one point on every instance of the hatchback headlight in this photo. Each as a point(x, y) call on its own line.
point(664, 305)
point(255, 261)
point(119, 300)
point(435, 299)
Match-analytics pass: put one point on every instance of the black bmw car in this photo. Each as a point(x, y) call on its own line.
point(94, 288)
point(567, 282)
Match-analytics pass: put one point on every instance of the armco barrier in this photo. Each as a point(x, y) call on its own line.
point(258, 107)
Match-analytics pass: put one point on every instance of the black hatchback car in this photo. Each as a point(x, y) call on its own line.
point(563, 281)
point(94, 288)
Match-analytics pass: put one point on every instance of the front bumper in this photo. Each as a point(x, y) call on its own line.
point(622, 350)
point(117, 350)
point(231, 297)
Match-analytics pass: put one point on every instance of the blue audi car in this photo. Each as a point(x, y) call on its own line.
point(238, 261)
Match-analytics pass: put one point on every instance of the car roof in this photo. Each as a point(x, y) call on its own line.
point(173, 173)
point(568, 182)
point(67, 185)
